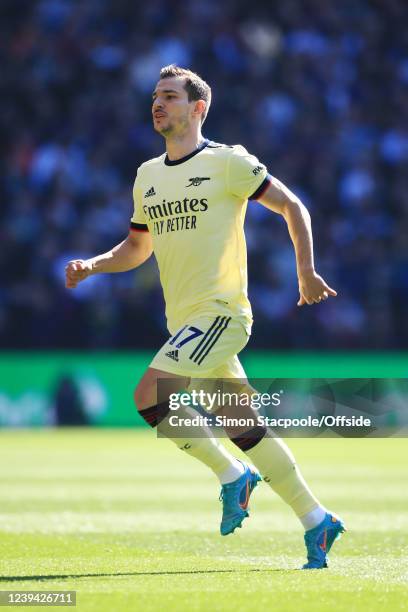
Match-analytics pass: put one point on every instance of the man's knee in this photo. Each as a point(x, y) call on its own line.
point(145, 394)
point(153, 413)
point(151, 403)
point(250, 438)
point(142, 396)
point(240, 418)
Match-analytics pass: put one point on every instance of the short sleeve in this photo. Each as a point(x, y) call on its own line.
point(138, 220)
point(247, 177)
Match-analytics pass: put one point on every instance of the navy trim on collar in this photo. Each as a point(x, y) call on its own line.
point(175, 162)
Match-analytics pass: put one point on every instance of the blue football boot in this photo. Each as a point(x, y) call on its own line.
point(320, 539)
point(235, 499)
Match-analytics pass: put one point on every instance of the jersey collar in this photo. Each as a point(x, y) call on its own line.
point(175, 162)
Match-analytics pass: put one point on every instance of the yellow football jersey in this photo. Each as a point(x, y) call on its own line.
point(194, 208)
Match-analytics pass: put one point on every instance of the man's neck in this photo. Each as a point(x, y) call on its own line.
point(177, 148)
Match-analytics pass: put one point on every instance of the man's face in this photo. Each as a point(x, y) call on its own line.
point(172, 112)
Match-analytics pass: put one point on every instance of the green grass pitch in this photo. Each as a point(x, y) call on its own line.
point(131, 523)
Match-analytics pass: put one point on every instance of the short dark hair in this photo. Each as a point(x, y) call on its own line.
point(195, 86)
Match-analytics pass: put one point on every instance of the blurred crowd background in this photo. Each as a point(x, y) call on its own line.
point(317, 89)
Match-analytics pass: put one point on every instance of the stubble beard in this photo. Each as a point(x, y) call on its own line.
point(173, 130)
point(167, 132)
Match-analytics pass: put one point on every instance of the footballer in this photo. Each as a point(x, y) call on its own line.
point(189, 210)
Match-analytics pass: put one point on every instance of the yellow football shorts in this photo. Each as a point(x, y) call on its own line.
point(205, 347)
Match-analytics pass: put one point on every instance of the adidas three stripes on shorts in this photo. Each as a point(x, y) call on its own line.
point(205, 347)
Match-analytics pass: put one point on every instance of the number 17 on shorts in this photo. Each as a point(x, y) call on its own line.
point(201, 346)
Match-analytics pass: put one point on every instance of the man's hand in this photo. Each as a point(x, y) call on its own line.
point(313, 289)
point(76, 271)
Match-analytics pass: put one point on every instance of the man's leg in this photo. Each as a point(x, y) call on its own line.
point(197, 351)
point(275, 462)
point(202, 445)
point(278, 468)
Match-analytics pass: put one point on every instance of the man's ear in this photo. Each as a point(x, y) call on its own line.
point(199, 107)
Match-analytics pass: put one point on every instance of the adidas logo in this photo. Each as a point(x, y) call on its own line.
point(150, 192)
point(173, 355)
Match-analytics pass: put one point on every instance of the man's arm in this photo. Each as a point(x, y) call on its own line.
point(280, 199)
point(129, 254)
